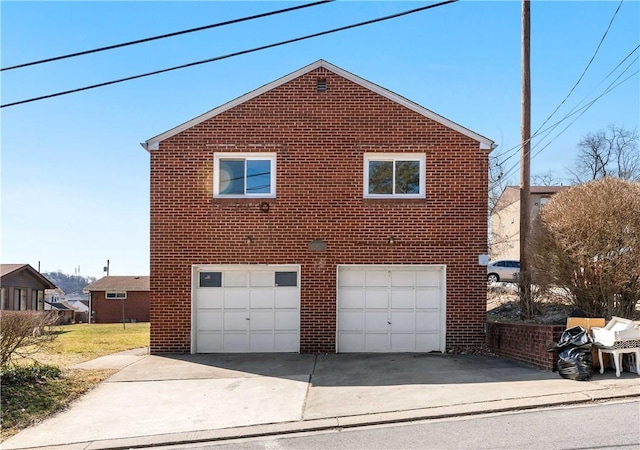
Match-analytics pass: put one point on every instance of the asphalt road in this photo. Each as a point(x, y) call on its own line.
point(601, 426)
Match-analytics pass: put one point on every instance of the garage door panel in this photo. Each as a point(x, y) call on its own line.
point(376, 342)
point(403, 278)
point(376, 298)
point(351, 278)
point(209, 320)
point(351, 342)
point(427, 341)
point(235, 342)
point(428, 320)
point(285, 320)
point(403, 342)
point(403, 321)
point(403, 298)
point(236, 299)
point(351, 321)
point(428, 278)
point(286, 342)
point(261, 298)
point(376, 321)
point(428, 298)
point(378, 278)
point(261, 278)
point(209, 342)
point(261, 320)
point(261, 342)
point(210, 298)
point(235, 321)
point(235, 278)
point(352, 298)
point(286, 298)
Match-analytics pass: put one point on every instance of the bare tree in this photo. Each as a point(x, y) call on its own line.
point(24, 333)
point(585, 241)
point(548, 178)
point(612, 151)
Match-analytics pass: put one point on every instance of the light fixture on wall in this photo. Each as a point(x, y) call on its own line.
point(248, 239)
point(391, 240)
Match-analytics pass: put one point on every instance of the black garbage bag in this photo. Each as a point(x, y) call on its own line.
point(575, 361)
point(573, 337)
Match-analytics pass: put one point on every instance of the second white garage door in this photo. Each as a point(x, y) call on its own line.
point(391, 308)
point(246, 309)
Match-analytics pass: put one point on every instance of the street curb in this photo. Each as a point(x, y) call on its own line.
point(441, 412)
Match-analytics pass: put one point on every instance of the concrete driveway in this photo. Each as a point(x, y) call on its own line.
point(189, 398)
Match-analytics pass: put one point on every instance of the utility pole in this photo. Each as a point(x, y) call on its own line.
point(106, 268)
point(525, 164)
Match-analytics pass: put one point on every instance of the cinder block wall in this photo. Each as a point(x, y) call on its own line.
point(525, 342)
point(320, 139)
point(136, 307)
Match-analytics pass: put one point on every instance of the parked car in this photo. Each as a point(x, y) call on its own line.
point(503, 270)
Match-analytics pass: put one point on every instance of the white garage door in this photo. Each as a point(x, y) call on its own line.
point(391, 308)
point(246, 309)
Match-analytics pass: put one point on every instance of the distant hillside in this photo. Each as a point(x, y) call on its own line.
point(72, 285)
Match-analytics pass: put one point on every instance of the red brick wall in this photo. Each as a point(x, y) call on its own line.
point(136, 307)
point(525, 342)
point(320, 139)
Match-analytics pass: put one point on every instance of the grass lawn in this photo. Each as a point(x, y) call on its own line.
point(32, 393)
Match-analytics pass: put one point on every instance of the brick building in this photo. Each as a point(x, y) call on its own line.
point(114, 299)
point(318, 213)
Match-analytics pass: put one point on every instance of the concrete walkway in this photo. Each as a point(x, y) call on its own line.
point(155, 400)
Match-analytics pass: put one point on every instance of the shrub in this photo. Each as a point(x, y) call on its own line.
point(586, 241)
point(24, 333)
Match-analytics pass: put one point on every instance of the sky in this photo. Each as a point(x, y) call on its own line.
point(75, 180)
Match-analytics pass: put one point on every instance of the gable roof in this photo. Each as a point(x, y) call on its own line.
point(8, 269)
point(485, 143)
point(120, 283)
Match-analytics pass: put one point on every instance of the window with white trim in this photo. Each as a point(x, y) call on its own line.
point(239, 175)
point(115, 295)
point(394, 175)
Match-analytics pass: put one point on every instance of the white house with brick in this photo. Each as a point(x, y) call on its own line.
point(318, 213)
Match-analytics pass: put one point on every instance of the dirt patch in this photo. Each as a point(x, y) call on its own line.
point(503, 305)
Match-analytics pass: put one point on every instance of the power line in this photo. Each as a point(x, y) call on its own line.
point(218, 58)
point(537, 132)
point(164, 36)
point(581, 110)
point(587, 66)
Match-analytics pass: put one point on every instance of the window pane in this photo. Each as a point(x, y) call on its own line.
point(258, 177)
point(210, 279)
point(380, 177)
point(231, 177)
point(286, 278)
point(407, 177)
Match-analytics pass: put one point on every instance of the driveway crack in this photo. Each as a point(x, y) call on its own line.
point(306, 394)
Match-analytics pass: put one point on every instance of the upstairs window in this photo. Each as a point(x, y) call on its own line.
point(394, 175)
point(239, 175)
point(115, 295)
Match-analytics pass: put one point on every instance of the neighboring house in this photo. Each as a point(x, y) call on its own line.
point(505, 219)
point(53, 295)
point(318, 213)
point(22, 287)
point(73, 310)
point(116, 299)
point(66, 314)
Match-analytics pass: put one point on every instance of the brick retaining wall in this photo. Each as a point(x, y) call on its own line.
point(525, 342)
